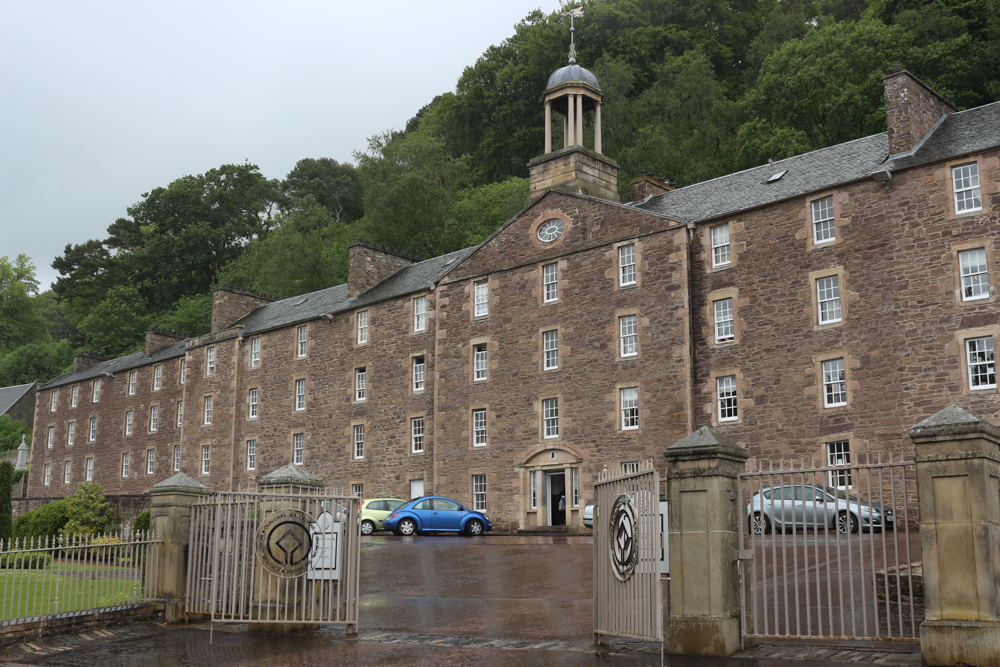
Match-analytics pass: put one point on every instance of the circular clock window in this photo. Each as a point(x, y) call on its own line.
point(550, 230)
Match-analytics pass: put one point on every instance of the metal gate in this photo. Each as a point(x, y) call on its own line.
point(275, 558)
point(832, 552)
point(628, 595)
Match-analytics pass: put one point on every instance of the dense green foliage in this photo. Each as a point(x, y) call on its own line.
point(141, 521)
point(693, 90)
point(46, 521)
point(6, 506)
point(87, 511)
point(11, 432)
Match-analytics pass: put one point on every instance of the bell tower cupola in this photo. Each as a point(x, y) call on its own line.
point(574, 94)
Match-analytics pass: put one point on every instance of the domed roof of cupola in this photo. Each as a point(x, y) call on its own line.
point(573, 73)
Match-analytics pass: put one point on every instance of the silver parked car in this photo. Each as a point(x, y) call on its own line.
point(588, 516)
point(817, 507)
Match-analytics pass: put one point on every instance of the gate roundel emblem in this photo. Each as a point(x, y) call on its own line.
point(283, 543)
point(624, 554)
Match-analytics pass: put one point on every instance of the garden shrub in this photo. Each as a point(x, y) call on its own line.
point(141, 522)
point(88, 510)
point(46, 521)
point(29, 560)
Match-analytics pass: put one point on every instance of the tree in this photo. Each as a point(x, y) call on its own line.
point(57, 317)
point(88, 511)
point(191, 315)
point(35, 362)
point(410, 182)
point(20, 322)
point(307, 251)
point(336, 187)
point(86, 273)
point(478, 212)
point(179, 237)
point(117, 325)
point(11, 432)
point(687, 125)
point(6, 506)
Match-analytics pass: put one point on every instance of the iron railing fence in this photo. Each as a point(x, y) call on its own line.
point(48, 577)
point(227, 577)
point(628, 595)
point(832, 552)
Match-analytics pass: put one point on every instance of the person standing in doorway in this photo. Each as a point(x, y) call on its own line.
point(562, 503)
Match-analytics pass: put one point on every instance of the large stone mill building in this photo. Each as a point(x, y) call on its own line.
point(815, 307)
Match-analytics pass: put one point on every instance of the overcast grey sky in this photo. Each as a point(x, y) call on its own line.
point(102, 101)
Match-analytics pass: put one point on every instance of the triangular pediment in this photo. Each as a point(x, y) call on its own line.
point(587, 222)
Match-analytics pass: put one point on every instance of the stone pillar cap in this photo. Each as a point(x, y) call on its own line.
point(705, 443)
point(180, 483)
point(953, 421)
point(290, 475)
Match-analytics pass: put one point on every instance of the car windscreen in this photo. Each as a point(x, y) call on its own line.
point(393, 504)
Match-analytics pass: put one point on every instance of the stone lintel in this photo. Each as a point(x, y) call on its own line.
point(290, 475)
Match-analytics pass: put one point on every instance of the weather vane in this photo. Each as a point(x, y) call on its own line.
point(573, 13)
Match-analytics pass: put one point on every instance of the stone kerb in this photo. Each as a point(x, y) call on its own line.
point(702, 489)
point(958, 491)
point(170, 518)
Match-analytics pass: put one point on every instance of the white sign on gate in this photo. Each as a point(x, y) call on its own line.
point(324, 561)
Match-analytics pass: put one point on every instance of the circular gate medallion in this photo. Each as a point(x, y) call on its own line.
point(624, 555)
point(283, 543)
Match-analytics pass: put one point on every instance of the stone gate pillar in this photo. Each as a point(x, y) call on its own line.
point(170, 519)
point(291, 485)
point(703, 491)
point(958, 493)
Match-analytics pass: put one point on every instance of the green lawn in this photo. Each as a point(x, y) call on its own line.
point(65, 586)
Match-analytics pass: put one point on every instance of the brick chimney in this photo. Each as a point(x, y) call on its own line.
point(369, 264)
point(85, 360)
point(646, 184)
point(230, 304)
point(911, 109)
point(157, 339)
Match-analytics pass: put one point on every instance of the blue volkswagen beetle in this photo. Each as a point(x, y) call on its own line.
point(433, 514)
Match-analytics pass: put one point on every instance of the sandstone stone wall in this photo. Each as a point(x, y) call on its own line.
point(911, 109)
point(903, 326)
point(111, 442)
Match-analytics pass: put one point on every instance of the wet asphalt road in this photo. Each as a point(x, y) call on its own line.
point(424, 600)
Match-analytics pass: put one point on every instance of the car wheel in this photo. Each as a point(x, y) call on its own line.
point(367, 527)
point(474, 527)
point(759, 525)
point(407, 527)
point(847, 523)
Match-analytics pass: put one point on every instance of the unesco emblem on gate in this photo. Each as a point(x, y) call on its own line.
point(624, 555)
point(283, 543)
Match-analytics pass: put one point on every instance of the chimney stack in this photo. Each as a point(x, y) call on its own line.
point(369, 264)
point(85, 360)
point(911, 109)
point(157, 339)
point(230, 304)
point(646, 184)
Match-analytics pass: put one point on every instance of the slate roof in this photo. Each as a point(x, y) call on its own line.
point(120, 364)
point(408, 279)
point(11, 395)
point(958, 134)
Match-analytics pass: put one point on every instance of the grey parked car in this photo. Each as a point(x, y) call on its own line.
point(808, 506)
point(588, 516)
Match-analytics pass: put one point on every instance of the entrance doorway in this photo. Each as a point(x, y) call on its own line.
point(555, 483)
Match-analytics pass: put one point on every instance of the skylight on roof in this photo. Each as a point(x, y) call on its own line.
point(300, 301)
point(777, 177)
